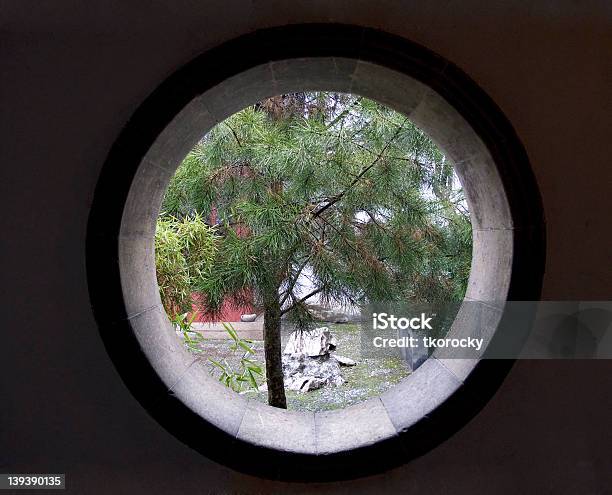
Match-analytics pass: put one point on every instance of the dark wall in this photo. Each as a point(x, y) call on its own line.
point(71, 74)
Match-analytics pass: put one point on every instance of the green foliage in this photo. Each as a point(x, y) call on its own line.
point(249, 370)
point(184, 252)
point(191, 339)
point(331, 185)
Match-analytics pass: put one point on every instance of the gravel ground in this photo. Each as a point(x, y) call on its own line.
point(369, 378)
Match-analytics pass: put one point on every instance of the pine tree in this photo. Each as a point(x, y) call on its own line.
point(329, 185)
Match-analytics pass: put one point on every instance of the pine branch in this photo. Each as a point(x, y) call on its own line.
point(364, 171)
point(294, 280)
point(302, 300)
point(376, 221)
point(233, 132)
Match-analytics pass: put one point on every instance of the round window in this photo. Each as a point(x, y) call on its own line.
point(428, 405)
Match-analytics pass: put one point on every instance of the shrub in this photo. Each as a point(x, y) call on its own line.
point(184, 252)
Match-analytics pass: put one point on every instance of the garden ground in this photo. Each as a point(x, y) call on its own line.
point(369, 378)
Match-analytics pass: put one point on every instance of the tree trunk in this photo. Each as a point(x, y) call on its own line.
point(272, 347)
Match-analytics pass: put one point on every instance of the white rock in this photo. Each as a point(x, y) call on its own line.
point(303, 373)
point(317, 342)
point(344, 361)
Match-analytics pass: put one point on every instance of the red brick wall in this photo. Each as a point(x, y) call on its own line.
point(229, 311)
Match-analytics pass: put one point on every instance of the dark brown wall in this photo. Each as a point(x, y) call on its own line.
point(71, 74)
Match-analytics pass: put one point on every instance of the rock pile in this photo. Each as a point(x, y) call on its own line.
point(309, 362)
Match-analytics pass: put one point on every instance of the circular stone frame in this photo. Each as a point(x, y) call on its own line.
point(430, 404)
